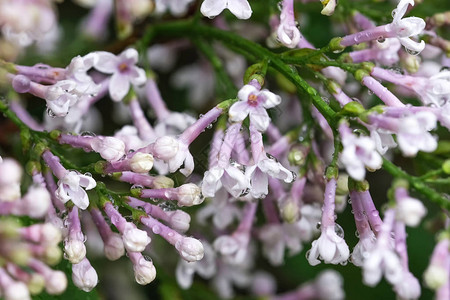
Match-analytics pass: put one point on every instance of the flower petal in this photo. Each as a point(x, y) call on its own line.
point(240, 8)
point(270, 99)
point(106, 62)
point(118, 86)
point(412, 45)
point(238, 111)
point(259, 118)
point(212, 8)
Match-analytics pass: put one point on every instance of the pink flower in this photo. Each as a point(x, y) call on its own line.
point(123, 69)
point(240, 8)
point(253, 102)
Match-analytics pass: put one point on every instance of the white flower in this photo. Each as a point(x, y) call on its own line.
point(329, 285)
point(287, 31)
point(330, 247)
point(230, 177)
point(407, 27)
point(328, 7)
point(258, 175)
point(60, 97)
point(410, 211)
point(84, 275)
point(109, 148)
point(189, 194)
point(123, 69)
point(408, 288)
point(135, 240)
point(114, 248)
point(362, 249)
point(358, 153)
point(253, 102)
point(144, 271)
point(413, 135)
point(75, 250)
point(141, 162)
point(240, 8)
point(190, 249)
point(382, 260)
point(70, 188)
point(177, 7)
point(233, 247)
point(77, 72)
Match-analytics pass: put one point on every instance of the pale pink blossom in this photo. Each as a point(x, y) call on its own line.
point(72, 187)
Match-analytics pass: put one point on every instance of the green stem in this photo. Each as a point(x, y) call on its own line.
point(417, 184)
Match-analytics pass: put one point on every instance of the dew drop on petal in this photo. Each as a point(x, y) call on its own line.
point(156, 229)
point(318, 225)
point(339, 231)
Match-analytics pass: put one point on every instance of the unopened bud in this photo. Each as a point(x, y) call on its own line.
point(75, 251)
point(141, 162)
point(56, 283)
point(162, 182)
point(84, 275)
point(135, 240)
point(189, 194)
point(179, 220)
point(165, 148)
point(109, 148)
point(190, 249)
point(114, 248)
point(144, 271)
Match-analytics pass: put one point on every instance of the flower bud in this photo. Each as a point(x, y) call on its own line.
point(10, 171)
point(50, 234)
point(165, 148)
point(114, 248)
point(162, 182)
point(190, 249)
point(410, 211)
point(10, 192)
point(36, 202)
point(36, 284)
point(290, 212)
point(16, 291)
point(179, 220)
point(109, 148)
point(141, 162)
point(84, 275)
point(135, 240)
point(189, 194)
point(435, 276)
point(56, 283)
point(52, 255)
point(144, 271)
point(75, 250)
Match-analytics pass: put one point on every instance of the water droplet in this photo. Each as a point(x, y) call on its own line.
point(318, 225)
point(87, 133)
point(167, 206)
point(84, 238)
point(357, 234)
point(156, 229)
point(412, 52)
point(136, 186)
point(200, 116)
point(245, 192)
point(339, 231)
point(270, 156)
point(131, 151)
point(170, 234)
point(370, 92)
point(51, 113)
point(294, 175)
point(88, 174)
point(209, 126)
point(381, 39)
point(344, 263)
point(147, 258)
point(375, 213)
point(280, 5)
point(349, 201)
point(307, 254)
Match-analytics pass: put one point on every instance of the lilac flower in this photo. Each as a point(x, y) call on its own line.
point(77, 72)
point(176, 7)
point(413, 133)
point(60, 97)
point(240, 8)
point(205, 267)
point(253, 102)
point(123, 69)
point(230, 177)
point(383, 258)
point(407, 27)
point(287, 31)
point(233, 247)
point(258, 175)
point(328, 7)
point(110, 148)
point(409, 210)
point(84, 275)
point(330, 247)
point(70, 187)
point(364, 246)
point(358, 153)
